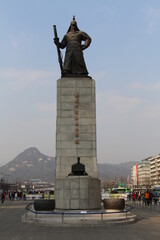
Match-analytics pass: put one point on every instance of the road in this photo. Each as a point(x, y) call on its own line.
point(11, 228)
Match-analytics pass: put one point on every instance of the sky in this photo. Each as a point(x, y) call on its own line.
point(123, 59)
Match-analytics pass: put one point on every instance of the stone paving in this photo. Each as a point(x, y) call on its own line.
point(11, 228)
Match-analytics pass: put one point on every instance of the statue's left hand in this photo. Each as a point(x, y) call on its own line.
point(83, 47)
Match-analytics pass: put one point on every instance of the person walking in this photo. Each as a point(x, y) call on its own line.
point(134, 196)
point(139, 196)
point(150, 197)
point(2, 197)
point(146, 197)
point(10, 196)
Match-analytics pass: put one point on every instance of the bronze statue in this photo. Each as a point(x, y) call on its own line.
point(74, 64)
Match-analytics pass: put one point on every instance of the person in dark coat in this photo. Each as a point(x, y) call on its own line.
point(2, 197)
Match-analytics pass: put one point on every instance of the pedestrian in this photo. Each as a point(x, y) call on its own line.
point(10, 196)
point(139, 196)
point(2, 197)
point(24, 196)
point(155, 198)
point(129, 196)
point(13, 195)
point(134, 196)
point(150, 197)
point(146, 197)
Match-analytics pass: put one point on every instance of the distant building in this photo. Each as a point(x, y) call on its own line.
point(155, 170)
point(134, 175)
point(39, 185)
point(144, 176)
point(140, 174)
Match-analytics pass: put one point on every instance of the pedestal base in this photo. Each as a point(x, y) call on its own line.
point(78, 193)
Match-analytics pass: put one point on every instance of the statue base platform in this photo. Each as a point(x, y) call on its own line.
point(78, 193)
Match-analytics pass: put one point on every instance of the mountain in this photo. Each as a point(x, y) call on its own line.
point(111, 171)
point(32, 164)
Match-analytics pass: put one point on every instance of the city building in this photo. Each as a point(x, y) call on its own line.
point(140, 174)
point(144, 176)
point(134, 175)
point(155, 170)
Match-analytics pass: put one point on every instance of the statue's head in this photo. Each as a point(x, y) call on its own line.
point(73, 26)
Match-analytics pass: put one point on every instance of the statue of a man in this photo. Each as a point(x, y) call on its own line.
point(74, 63)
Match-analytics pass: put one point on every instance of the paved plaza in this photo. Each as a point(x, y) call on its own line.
point(11, 228)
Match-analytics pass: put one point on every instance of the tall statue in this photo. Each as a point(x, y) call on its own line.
point(74, 64)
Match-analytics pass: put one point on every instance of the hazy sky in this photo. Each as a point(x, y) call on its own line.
point(123, 58)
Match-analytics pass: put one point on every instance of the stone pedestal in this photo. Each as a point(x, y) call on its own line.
point(78, 192)
point(75, 136)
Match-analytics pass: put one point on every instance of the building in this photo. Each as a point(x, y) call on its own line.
point(144, 176)
point(140, 174)
point(134, 175)
point(155, 170)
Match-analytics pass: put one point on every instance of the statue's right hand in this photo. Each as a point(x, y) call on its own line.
point(56, 41)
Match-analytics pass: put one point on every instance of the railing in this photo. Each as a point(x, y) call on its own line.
point(128, 208)
point(153, 206)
